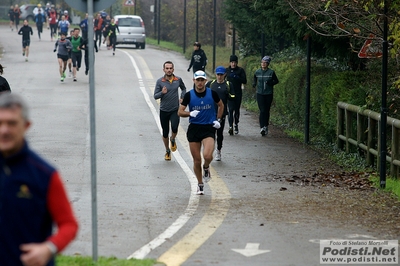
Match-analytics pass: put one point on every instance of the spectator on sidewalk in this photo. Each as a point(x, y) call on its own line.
point(33, 196)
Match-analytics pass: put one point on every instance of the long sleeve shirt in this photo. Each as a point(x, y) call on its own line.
point(112, 30)
point(25, 31)
point(170, 100)
point(237, 76)
point(63, 46)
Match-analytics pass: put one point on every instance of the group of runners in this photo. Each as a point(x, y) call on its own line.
point(207, 105)
point(207, 108)
point(14, 14)
point(68, 47)
point(69, 53)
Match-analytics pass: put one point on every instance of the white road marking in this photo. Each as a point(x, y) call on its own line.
point(193, 200)
point(251, 249)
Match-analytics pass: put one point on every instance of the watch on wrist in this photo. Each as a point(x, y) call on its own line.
point(52, 247)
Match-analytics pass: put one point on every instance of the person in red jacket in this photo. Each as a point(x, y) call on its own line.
point(53, 22)
point(32, 195)
point(98, 28)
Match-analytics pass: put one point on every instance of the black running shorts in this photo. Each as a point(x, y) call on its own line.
point(63, 57)
point(196, 133)
point(26, 43)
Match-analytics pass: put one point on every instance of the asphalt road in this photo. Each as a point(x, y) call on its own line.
point(147, 207)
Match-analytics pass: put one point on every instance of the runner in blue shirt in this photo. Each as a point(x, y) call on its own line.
point(63, 25)
point(204, 120)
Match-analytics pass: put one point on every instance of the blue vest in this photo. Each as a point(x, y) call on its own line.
point(206, 107)
point(24, 183)
point(64, 26)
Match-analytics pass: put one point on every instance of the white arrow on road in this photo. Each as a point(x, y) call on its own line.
point(250, 250)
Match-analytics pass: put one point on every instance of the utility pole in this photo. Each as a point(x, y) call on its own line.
point(197, 20)
point(384, 109)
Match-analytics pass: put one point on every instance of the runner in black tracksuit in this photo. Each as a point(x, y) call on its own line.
point(225, 92)
point(237, 76)
point(86, 48)
point(26, 32)
point(112, 34)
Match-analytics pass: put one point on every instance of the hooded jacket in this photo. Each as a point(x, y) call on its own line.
point(199, 60)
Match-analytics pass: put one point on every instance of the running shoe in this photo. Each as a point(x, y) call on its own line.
point(173, 145)
point(230, 131)
point(63, 75)
point(167, 156)
point(262, 131)
point(113, 53)
point(207, 174)
point(26, 59)
point(23, 53)
point(266, 131)
point(62, 78)
point(218, 155)
point(86, 71)
point(200, 189)
point(75, 79)
point(236, 129)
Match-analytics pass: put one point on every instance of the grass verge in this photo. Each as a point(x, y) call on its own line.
point(222, 54)
point(392, 185)
point(164, 44)
point(62, 260)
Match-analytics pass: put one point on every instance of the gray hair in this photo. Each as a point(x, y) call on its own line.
point(10, 100)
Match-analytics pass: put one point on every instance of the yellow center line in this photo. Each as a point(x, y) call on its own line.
point(215, 215)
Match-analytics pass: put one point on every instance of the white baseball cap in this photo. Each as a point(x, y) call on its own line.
point(199, 74)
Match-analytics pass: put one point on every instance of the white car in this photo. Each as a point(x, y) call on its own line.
point(131, 30)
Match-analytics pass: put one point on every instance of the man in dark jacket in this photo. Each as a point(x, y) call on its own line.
point(199, 58)
point(25, 31)
point(40, 19)
point(237, 76)
point(32, 195)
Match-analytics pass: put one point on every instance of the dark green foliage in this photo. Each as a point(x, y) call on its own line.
point(331, 81)
point(273, 18)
